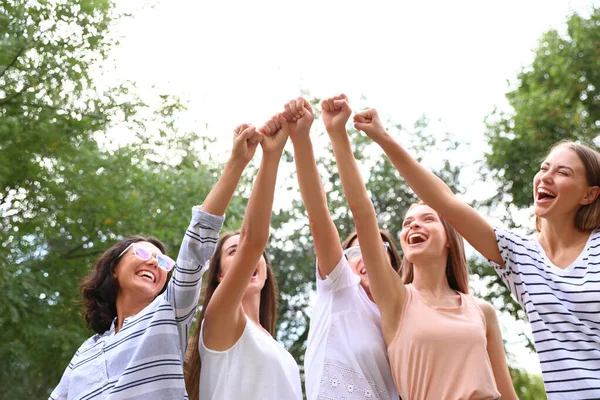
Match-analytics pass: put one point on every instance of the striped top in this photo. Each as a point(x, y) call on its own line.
point(144, 360)
point(563, 307)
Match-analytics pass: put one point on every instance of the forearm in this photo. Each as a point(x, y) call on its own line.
point(257, 219)
point(219, 197)
point(384, 282)
point(324, 232)
point(183, 290)
point(354, 187)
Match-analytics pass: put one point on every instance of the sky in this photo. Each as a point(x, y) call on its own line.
point(240, 61)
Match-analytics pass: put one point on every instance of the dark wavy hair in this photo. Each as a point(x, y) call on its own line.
point(267, 314)
point(387, 238)
point(100, 288)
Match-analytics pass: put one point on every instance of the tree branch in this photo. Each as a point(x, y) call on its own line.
point(14, 60)
point(10, 98)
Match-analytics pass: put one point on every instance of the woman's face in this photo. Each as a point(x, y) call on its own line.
point(560, 187)
point(423, 237)
point(357, 264)
point(140, 278)
point(228, 251)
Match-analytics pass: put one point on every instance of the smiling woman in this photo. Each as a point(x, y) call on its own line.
point(553, 275)
point(140, 316)
point(430, 307)
point(141, 303)
point(101, 289)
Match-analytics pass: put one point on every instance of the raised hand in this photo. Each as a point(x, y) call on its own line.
point(275, 134)
point(299, 115)
point(245, 141)
point(336, 112)
point(368, 121)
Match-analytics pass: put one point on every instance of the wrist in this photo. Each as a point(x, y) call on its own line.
point(300, 139)
point(337, 131)
point(272, 156)
point(236, 164)
point(382, 137)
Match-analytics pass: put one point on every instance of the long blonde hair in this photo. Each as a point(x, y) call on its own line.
point(457, 268)
point(267, 314)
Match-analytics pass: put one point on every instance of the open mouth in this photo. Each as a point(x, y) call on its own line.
point(149, 276)
point(254, 274)
point(545, 194)
point(363, 271)
point(416, 238)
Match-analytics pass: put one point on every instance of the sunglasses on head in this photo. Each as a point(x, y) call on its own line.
point(144, 253)
point(353, 253)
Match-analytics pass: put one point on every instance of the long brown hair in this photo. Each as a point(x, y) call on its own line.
point(588, 216)
point(457, 268)
point(99, 288)
point(267, 314)
point(387, 238)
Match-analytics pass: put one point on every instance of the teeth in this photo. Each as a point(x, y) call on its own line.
point(147, 274)
point(412, 238)
point(544, 191)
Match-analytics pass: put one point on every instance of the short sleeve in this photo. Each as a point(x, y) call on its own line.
point(340, 277)
point(515, 251)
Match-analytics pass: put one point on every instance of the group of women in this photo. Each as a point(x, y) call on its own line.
point(383, 326)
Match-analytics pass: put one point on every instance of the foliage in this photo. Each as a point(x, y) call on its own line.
point(67, 192)
point(64, 197)
point(528, 386)
point(557, 97)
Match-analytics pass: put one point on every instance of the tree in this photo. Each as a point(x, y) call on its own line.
point(557, 97)
point(64, 195)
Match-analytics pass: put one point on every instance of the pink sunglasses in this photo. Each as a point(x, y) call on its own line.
point(145, 254)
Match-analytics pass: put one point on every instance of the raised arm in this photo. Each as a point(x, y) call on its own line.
point(299, 114)
point(245, 141)
point(224, 317)
point(386, 286)
point(431, 189)
point(201, 236)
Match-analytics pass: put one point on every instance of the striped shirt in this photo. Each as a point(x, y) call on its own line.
point(144, 360)
point(563, 307)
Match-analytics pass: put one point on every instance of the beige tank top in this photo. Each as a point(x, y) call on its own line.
point(441, 353)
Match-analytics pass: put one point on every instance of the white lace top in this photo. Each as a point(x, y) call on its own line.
point(346, 357)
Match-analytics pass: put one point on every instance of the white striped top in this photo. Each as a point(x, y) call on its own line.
point(144, 360)
point(563, 307)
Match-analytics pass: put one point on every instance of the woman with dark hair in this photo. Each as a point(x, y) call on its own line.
point(240, 358)
point(140, 313)
point(554, 274)
point(346, 356)
point(442, 343)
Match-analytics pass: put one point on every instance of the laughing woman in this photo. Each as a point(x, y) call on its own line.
point(346, 356)
point(442, 342)
point(141, 314)
point(236, 356)
point(554, 275)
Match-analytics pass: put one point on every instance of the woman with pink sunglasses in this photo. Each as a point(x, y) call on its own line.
point(141, 303)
